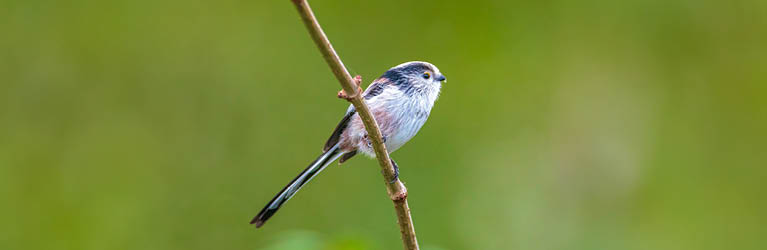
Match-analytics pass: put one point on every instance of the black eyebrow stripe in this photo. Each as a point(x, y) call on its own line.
point(395, 75)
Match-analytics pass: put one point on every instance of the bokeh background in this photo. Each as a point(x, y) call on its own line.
point(636, 124)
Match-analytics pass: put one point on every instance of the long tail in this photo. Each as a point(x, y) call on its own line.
point(315, 168)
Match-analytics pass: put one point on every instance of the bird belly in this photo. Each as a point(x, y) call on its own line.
point(399, 118)
point(406, 130)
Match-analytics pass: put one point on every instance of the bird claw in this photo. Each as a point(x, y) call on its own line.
point(357, 81)
point(396, 172)
point(369, 142)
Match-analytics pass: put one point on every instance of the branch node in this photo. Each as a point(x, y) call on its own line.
point(357, 81)
point(400, 194)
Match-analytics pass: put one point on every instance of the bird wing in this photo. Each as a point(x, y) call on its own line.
point(375, 89)
point(336, 135)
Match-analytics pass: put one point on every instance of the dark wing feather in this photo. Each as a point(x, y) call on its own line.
point(347, 156)
point(376, 88)
point(336, 136)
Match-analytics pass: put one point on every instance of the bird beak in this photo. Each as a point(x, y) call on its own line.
point(441, 78)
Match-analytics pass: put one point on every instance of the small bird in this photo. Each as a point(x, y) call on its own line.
point(400, 100)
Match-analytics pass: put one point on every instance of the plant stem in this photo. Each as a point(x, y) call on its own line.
point(396, 190)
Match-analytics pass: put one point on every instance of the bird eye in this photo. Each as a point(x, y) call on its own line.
point(426, 75)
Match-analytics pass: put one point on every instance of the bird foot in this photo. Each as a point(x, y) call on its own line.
point(370, 143)
point(396, 172)
point(357, 81)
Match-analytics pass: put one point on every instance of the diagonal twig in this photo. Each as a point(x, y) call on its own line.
point(396, 190)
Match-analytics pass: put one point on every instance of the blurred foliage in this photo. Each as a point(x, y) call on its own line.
point(635, 124)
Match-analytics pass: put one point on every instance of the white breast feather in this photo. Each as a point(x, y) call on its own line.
point(408, 113)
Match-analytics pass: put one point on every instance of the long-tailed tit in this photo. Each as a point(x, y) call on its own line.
point(400, 100)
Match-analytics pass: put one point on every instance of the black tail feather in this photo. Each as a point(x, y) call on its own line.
point(288, 191)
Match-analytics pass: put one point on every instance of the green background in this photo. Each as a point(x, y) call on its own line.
point(563, 124)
